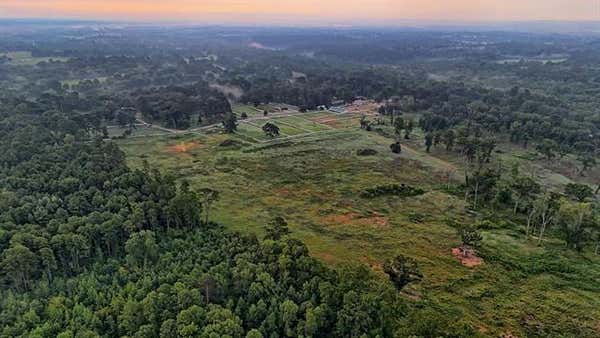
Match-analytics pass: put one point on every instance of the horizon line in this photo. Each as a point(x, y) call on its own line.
point(214, 22)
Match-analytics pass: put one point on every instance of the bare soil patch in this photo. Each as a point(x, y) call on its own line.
point(363, 107)
point(467, 257)
point(183, 147)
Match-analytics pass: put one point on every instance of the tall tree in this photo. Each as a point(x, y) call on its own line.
point(571, 217)
point(523, 188)
point(19, 263)
point(141, 248)
point(448, 139)
point(546, 206)
point(579, 192)
point(230, 123)
point(208, 197)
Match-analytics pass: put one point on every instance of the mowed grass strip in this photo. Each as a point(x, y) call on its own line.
point(303, 123)
point(252, 131)
point(284, 128)
point(249, 110)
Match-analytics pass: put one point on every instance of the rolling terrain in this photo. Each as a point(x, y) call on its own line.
point(312, 175)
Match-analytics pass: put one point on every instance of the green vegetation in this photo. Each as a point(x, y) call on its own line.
point(175, 183)
point(93, 248)
point(24, 58)
point(316, 182)
point(401, 190)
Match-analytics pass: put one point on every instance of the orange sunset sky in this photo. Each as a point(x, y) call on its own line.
point(304, 11)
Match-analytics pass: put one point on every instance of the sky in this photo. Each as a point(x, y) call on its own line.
point(305, 11)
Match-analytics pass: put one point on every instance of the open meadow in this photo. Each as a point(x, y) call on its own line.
point(313, 175)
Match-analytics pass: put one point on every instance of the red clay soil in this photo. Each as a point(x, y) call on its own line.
point(467, 258)
point(182, 147)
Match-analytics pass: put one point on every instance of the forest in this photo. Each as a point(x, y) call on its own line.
point(249, 182)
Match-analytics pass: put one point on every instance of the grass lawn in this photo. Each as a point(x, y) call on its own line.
point(249, 110)
point(252, 131)
point(315, 181)
point(284, 128)
point(302, 123)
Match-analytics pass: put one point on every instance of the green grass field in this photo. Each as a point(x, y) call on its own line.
point(26, 59)
point(249, 110)
point(302, 123)
point(315, 180)
point(252, 131)
point(285, 129)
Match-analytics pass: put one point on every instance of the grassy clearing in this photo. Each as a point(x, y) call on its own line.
point(249, 110)
point(26, 59)
point(284, 128)
point(302, 123)
point(251, 131)
point(315, 180)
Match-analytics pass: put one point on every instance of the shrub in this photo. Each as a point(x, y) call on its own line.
point(366, 152)
point(396, 148)
point(230, 143)
point(400, 190)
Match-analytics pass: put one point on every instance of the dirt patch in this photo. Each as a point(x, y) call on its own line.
point(183, 147)
point(376, 219)
point(364, 107)
point(467, 257)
